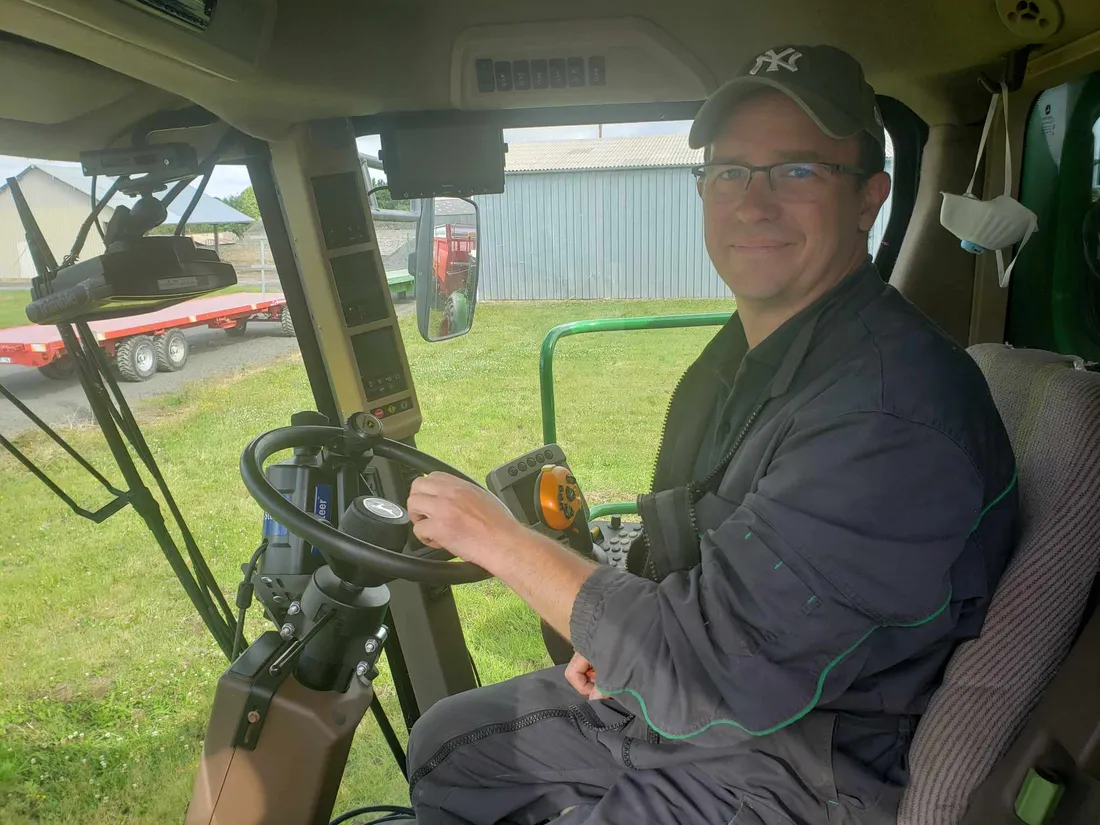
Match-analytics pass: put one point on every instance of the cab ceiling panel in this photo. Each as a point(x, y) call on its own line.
point(264, 64)
point(53, 86)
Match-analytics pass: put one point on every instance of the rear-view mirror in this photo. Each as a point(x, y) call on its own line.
point(444, 266)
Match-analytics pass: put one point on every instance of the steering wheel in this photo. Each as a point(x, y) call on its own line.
point(353, 559)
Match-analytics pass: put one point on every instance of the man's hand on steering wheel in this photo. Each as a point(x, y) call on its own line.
point(451, 514)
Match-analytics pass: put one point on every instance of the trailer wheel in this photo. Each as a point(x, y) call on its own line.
point(172, 351)
point(287, 323)
point(136, 358)
point(60, 368)
point(237, 330)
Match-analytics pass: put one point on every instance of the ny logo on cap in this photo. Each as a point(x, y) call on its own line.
point(785, 59)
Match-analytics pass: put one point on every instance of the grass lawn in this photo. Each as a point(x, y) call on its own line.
point(13, 303)
point(106, 673)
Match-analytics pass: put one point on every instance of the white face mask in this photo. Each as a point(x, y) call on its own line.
point(997, 224)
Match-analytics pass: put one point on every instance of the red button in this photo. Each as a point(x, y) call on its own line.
point(379, 414)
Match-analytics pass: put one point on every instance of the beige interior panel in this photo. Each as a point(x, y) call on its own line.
point(932, 270)
point(44, 93)
point(266, 64)
point(648, 64)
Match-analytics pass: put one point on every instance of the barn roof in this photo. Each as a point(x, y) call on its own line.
point(208, 210)
point(647, 152)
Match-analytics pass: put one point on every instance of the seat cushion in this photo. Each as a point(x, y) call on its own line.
point(1051, 408)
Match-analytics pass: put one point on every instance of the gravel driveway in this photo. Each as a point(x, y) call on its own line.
point(213, 353)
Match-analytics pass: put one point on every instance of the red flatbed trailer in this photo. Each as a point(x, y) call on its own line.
point(131, 341)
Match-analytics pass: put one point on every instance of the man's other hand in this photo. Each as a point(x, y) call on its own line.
point(582, 676)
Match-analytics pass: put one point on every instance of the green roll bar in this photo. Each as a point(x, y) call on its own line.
point(546, 369)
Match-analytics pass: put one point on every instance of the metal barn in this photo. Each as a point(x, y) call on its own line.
point(615, 218)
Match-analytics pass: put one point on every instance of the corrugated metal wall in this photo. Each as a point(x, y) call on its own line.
point(635, 233)
point(595, 234)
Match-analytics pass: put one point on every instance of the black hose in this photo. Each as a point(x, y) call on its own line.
point(206, 168)
point(473, 666)
point(389, 735)
point(98, 225)
point(191, 206)
point(393, 810)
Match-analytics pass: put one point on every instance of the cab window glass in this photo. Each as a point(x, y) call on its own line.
point(1054, 299)
point(588, 212)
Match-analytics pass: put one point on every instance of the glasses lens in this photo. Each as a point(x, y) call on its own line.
point(723, 181)
point(800, 181)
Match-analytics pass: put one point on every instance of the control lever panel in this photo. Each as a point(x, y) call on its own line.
point(614, 537)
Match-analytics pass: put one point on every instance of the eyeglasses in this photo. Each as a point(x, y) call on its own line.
point(801, 182)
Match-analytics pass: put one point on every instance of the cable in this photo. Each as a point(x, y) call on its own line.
point(86, 227)
point(244, 598)
point(392, 810)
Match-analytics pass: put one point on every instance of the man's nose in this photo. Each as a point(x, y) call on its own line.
point(758, 203)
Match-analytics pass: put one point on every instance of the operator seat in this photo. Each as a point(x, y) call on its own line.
point(993, 684)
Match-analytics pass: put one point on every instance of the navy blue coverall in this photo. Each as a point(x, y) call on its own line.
point(853, 540)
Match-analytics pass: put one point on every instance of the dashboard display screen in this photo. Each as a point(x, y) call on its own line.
point(379, 362)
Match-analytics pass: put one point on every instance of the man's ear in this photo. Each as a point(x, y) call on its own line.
point(874, 192)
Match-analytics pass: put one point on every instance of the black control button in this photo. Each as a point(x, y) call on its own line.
point(530, 462)
point(549, 454)
point(616, 522)
point(521, 75)
point(503, 73)
point(540, 458)
point(540, 74)
point(512, 471)
point(567, 511)
point(557, 73)
point(570, 494)
point(576, 72)
point(484, 71)
point(597, 71)
point(569, 479)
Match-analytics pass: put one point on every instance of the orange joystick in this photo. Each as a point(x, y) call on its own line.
point(561, 506)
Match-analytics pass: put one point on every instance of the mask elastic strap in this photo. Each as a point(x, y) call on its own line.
point(989, 118)
point(1004, 274)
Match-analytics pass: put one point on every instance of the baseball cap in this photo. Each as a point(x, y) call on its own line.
point(825, 81)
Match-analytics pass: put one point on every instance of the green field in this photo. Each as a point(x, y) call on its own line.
point(106, 673)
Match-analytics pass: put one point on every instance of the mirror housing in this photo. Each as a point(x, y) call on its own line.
point(444, 266)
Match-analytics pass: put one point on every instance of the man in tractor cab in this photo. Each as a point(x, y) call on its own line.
point(835, 502)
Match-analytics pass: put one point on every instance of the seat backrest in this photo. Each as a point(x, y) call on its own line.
point(1051, 408)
